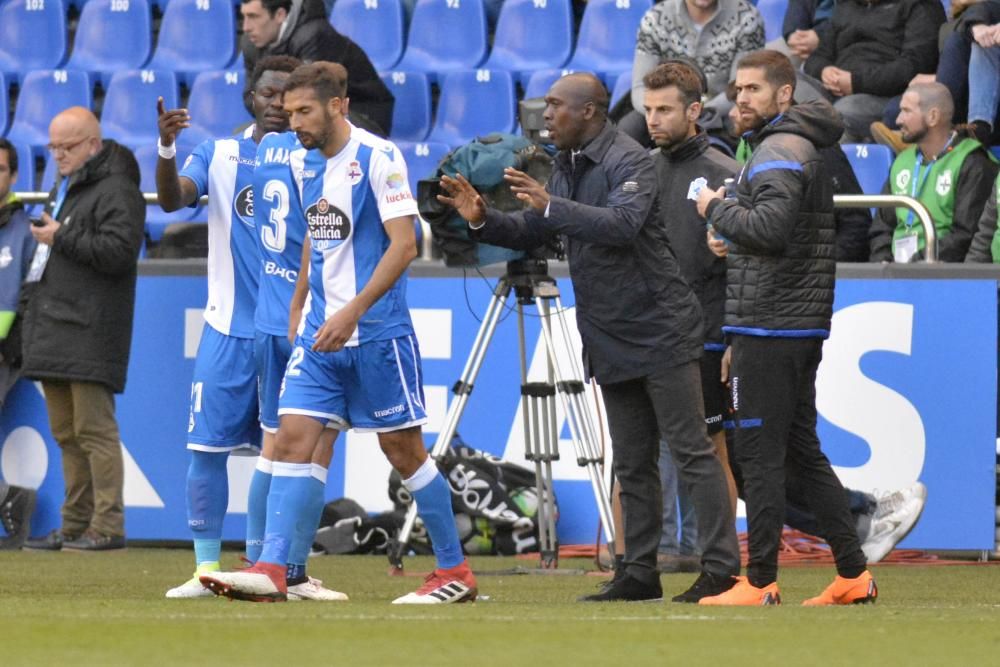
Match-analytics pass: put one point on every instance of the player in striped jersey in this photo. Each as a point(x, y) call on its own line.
point(355, 359)
point(224, 409)
point(281, 226)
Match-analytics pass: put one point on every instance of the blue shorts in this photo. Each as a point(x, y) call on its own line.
point(223, 413)
point(372, 387)
point(271, 356)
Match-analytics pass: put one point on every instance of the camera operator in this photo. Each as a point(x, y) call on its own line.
point(640, 323)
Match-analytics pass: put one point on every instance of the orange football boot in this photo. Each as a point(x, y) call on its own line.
point(859, 590)
point(745, 594)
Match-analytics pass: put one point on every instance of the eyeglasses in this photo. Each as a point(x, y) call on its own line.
point(55, 149)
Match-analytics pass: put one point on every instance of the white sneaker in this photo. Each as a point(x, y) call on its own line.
point(313, 590)
point(264, 582)
point(456, 584)
point(894, 518)
point(192, 588)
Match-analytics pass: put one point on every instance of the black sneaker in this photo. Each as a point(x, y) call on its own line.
point(15, 515)
point(626, 589)
point(91, 540)
point(706, 585)
point(51, 542)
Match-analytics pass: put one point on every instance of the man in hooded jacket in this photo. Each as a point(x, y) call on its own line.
point(77, 327)
point(301, 29)
point(779, 305)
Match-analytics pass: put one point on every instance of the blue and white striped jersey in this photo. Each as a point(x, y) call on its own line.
point(346, 199)
point(281, 227)
point(223, 169)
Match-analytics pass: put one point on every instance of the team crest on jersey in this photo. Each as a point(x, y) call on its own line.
point(354, 172)
point(943, 185)
point(328, 225)
point(395, 181)
point(903, 179)
point(244, 206)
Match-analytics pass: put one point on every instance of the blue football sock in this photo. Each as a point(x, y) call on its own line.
point(260, 484)
point(286, 504)
point(305, 527)
point(296, 572)
point(433, 497)
point(207, 499)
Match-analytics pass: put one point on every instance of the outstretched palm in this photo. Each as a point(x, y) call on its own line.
point(463, 198)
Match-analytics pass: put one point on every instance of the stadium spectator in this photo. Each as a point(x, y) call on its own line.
point(355, 360)
point(78, 322)
point(985, 246)
point(949, 173)
point(224, 396)
point(639, 321)
point(17, 247)
point(685, 163)
point(715, 33)
point(804, 25)
point(779, 222)
point(870, 53)
point(301, 29)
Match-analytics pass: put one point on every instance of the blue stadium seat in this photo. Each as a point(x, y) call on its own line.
point(532, 35)
point(412, 113)
point(32, 36)
point(45, 93)
point(129, 114)
point(156, 219)
point(474, 103)
point(606, 41)
point(445, 36)
point(871, 164)
point(421, 159)
point(376, 26)
point(26, 177)
point(4, 104)
point(622, 87)
point(112, 35)
point(773, 13)
point(195, 36)
point(216, 106)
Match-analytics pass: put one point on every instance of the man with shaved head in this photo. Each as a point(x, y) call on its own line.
point(949, 172)
point(640, 323)
point(78, 322)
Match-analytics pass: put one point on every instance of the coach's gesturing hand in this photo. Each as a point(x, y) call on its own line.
point(463, 198)
point(527, 189)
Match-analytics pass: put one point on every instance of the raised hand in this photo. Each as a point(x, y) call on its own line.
point(463, 198)
point(527, 189)
point(171, 122)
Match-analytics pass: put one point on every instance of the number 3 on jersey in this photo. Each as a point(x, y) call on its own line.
point(276, 195)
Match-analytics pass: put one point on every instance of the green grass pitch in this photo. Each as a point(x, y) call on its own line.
point(109, 609)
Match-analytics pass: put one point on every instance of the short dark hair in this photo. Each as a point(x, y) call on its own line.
point(273, 5)
point(273, 64)
point(5, 145)
point(678, 74)
point(327, 80)
point(778, 69)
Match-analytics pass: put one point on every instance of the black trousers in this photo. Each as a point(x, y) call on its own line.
point(667, 404)
point(774, 399)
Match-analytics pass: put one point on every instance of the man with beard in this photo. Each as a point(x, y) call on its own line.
point(639, 321)
point(355, 363)
point(949, 173)
point(685, 164)
point(224, 397)
point(779, 305)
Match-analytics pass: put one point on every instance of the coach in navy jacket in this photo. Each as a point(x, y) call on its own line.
point(639, 321)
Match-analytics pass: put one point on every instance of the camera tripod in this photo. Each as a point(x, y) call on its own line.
point(532, 285)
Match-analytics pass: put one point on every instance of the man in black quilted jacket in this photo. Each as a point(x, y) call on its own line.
point(779, 303)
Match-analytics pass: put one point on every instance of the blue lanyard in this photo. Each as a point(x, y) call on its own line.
point(917, 185)
point(60, 197)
